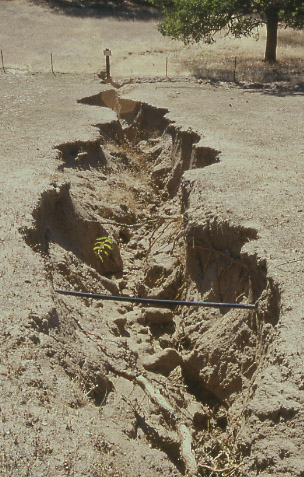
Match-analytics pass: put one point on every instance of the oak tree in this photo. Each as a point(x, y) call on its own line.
point(196, 20)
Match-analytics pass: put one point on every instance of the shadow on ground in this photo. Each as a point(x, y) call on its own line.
point(275, 89)
point(123, 9)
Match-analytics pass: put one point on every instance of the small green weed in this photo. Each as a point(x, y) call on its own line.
point(103, 246)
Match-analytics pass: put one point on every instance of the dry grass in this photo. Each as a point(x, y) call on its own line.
point(138, 49)
point(218, 61)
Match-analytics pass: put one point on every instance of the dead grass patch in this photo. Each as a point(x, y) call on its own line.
point(232, 59)
point(138, 49)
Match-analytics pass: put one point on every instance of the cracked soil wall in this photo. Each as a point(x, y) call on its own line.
point(98, 388)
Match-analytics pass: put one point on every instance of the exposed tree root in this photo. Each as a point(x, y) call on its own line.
point(187, 454)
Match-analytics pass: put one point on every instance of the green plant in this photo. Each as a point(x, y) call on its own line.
point(103, 246)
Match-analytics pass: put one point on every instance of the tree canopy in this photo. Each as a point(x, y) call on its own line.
point(196, 20)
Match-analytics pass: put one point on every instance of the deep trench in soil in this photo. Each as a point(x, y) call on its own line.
point(188, 372)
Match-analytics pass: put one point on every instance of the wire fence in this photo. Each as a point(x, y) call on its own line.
point(235, 69)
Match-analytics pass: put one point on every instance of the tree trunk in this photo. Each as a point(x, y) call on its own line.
point(272, 35)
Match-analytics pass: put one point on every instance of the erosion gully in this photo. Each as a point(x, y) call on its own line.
point(184, 375)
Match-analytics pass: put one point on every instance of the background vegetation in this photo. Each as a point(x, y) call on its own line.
point(138, 49)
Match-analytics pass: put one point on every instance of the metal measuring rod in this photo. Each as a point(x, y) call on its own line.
point(155, 301)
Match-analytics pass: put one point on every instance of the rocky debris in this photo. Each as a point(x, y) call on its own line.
point(158, 316)
point(134, 317)
point(141, 348)
point(200, 414)
point(163, 163)
point(163, 275)
point(120, 213)
point(161, 171)
point(163, 362)
point(109, 285)
point(159, 268)
point(166, 340)
point(120, 321)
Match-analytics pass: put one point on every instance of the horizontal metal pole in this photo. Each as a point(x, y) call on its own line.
point(155, 301)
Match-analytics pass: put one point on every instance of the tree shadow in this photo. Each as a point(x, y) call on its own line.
point(275, 89)
point(120, 9)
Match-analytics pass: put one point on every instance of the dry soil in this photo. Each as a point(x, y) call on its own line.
point(198, 188)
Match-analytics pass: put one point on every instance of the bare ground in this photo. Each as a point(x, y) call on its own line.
point(201, 186)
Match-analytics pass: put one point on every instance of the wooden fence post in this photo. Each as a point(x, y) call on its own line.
point(2, 61)
point(107, 54)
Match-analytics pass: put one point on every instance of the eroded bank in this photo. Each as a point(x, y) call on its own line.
point(172, 380)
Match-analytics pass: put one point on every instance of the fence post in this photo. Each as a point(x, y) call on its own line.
point(2, 61)
point(234, 71)
point(107, 54)
point(52, 67)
